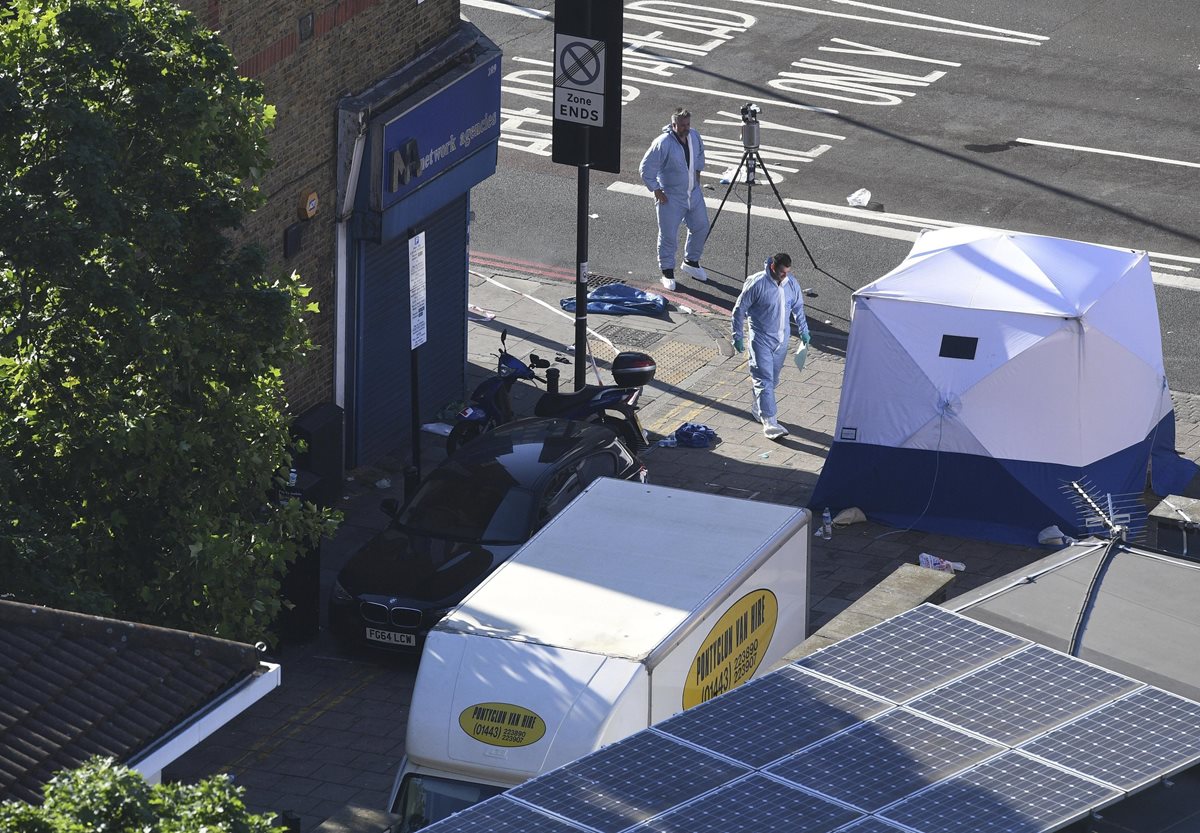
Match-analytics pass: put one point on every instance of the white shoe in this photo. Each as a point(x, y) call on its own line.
point(772, 430)
point(696, 272)
point(667, 283)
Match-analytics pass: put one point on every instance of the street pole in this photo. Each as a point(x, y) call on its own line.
point(581, 277)
point(414, 370)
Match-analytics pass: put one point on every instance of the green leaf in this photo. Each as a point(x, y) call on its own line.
point(141, 346)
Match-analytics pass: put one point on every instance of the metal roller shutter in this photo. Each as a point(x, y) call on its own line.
point(382, 412)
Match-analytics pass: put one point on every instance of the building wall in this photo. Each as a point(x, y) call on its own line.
point(352, 44)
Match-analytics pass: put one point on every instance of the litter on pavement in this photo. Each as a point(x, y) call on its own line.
point(932, 562)
point(690, 435)
point(850, 515)
point(859, 198)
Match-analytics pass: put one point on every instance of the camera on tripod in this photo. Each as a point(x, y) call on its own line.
point(750, 125)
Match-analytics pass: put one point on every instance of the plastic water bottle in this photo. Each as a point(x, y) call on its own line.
point(826, 524)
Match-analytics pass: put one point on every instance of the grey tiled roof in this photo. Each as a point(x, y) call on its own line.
point(73, 686)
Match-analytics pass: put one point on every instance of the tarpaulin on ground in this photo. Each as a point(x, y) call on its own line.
point(620, 299)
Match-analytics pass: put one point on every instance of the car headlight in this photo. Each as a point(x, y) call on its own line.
point(339, 594)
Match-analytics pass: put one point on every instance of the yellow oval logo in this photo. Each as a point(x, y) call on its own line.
point(502, 724)
point(733, 649)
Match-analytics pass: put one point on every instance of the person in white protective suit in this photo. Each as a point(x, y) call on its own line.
point(771, 298)
point(671, 169)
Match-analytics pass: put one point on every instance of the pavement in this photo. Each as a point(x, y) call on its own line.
point(333, 733)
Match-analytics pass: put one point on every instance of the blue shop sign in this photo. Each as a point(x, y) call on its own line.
point(441, 131)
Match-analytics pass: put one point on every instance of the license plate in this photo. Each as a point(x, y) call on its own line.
point(391, 637)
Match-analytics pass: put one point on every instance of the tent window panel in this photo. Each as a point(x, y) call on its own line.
point(958, 347)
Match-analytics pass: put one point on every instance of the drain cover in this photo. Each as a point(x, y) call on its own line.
point(630, 337)
point(601, 280)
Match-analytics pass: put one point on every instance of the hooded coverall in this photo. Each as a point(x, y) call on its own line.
point(665, 166)
point(770, 307)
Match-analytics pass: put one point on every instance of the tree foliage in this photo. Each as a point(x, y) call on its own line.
point(142, 430)
point(103, 796)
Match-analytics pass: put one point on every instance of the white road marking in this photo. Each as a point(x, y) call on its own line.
point(735, 120)
point(777, 214)
point(979, 30)
point(632, 81)
point(1190, 284)
point(507, 8)
point(904, 13)
point(1040, 143)
point(906, 227)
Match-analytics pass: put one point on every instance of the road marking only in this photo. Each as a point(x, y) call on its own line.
point(1040, 143)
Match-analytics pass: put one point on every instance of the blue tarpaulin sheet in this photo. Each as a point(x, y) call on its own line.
point(620, 299)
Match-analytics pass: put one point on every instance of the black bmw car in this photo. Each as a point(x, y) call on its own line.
point(470, 514)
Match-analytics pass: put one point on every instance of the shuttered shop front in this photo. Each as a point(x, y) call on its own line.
point(382, 411)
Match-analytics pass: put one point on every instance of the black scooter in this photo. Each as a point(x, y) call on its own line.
point(612, 405)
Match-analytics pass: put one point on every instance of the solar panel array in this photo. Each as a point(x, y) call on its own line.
point(928, 723)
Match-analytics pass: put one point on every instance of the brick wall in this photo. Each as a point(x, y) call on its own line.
point(352, 44)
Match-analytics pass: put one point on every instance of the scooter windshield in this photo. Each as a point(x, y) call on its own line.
point(510, 365)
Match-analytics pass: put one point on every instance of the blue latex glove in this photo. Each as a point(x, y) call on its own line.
point(806, 338)
point(738, 344)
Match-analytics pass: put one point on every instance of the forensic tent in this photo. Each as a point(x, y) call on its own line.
point(986, 372)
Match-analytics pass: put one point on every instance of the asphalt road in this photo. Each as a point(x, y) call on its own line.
point(948, 111)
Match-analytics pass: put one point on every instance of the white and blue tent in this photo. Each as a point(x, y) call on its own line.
point(987, 371)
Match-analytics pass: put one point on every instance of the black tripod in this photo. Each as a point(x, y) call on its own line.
point(751, 158)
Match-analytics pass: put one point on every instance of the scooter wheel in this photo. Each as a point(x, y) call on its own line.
point(461, 434)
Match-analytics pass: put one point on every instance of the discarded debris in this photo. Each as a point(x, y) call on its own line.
point(690, 435)
point(848, 516)
point(1055, 537)
point(859, 198)
point(932, 562)
point(383, 483)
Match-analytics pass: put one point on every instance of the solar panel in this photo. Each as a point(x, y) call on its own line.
point(912, 653)
point(780, 714)
point(1009, 794)
point(628, 782)
point(757, 804)
point(870, 824)
point(1024, 694)
point(1129, 743)
point(822, 746)
point(879, 762)
point(500, 815)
